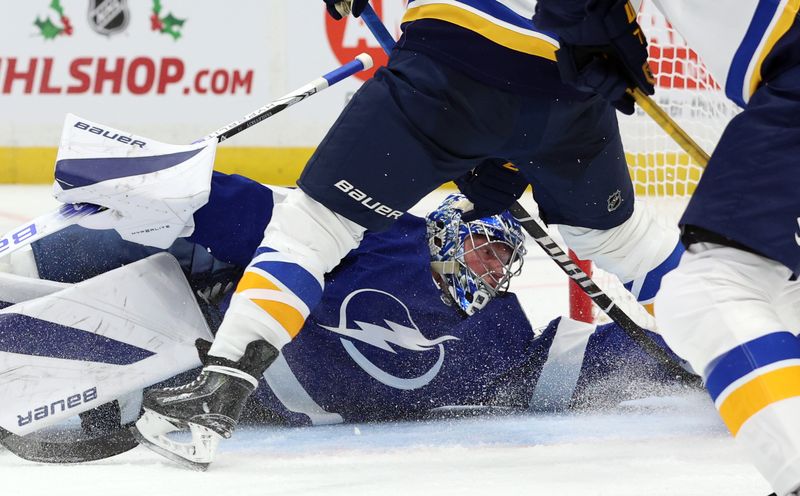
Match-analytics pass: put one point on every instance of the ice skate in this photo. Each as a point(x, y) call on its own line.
point(208, 407)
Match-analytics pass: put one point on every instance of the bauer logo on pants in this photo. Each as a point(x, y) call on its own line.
point(361, 197)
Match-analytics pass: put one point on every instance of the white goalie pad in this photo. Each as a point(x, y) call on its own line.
point(16, 289)
point(96, 341)
point(151, 189)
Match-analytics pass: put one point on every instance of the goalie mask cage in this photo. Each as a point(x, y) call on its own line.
point(663, 175)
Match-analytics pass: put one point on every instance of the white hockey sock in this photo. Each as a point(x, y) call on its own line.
point(639, 251)
point(284, 281)
point(718, 310)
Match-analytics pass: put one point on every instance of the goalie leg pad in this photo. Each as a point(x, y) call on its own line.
point(19, 279)
point(21, 263)
point(17, 289)
point(151, 189)
point(143, 332)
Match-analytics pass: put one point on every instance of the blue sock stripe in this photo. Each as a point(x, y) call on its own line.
point(31, 336)
point(652, 281)
point(748, 357)
point(263, 249)
point(296, 278)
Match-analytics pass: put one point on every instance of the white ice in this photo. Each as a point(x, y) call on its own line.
point(669, 445)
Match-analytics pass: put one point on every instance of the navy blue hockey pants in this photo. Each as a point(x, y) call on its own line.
point(418, 124)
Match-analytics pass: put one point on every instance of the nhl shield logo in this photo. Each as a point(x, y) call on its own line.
point(615, 200)
point(108, 17)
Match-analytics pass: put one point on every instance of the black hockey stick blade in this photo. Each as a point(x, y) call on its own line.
point(601, 299)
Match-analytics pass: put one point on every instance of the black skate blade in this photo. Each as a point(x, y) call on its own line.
point(186, 463)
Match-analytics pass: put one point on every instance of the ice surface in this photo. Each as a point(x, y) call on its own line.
point(670, 445)
point(665, 446)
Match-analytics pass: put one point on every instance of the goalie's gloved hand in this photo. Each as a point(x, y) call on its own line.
point(603, 49)
point(492, 187)
point(341, 8)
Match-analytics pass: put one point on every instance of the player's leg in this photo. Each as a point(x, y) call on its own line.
point(717, 311)
point(414, 126)
point(724, 307)
point(581, 182)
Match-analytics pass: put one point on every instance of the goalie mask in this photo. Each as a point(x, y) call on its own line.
point(476, 260)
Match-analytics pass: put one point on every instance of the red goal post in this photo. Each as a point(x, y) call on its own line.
point(664, 176)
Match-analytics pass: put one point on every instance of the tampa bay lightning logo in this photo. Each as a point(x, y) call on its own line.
point(386, 337)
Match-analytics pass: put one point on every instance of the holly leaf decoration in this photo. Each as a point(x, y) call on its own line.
point(156, 6)
point(56, 5)
point(47, 28)
point(172, 25)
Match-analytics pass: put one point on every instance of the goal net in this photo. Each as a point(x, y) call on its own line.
point(664, 176)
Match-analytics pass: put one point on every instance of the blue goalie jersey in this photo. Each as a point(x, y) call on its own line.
point(381, 344)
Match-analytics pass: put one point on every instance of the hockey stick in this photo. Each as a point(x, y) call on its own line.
point(601, 299)
point(669, 126)
point(378, 29)
point(538, 233)
point(69, 214)
point(375, 24)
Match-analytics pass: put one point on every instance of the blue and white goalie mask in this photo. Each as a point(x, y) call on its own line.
point(473, 261)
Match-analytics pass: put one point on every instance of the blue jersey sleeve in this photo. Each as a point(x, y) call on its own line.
point(593, 366)
point(616, 369)
point(228, 230)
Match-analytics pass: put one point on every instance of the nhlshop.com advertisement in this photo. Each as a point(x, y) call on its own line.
point(173, 70)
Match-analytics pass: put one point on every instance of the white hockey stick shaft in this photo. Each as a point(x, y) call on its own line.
point(70, 214)
point(360, 63)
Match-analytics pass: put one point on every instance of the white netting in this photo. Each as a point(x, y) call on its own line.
point(663, 174)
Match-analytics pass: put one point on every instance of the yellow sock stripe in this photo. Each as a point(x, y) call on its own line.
point(762, 391)
point(508, 38)
point(251, 280)
point(286, 315)
point(290, 318)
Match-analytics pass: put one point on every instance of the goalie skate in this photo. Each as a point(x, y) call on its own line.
point(151, 431)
